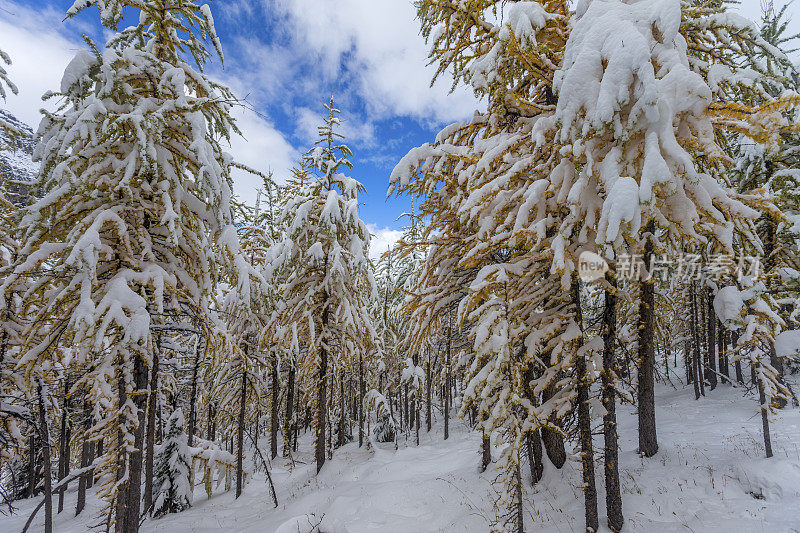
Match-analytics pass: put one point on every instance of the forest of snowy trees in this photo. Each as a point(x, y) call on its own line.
point(624, 216)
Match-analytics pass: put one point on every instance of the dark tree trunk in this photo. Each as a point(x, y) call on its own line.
point(585, 423)
point(289, 426)
point(361, 393)
point(121, 523)
point(711, 372)
point(520, 515)
point(134, 484)
point(86, 445)
point(611, 452)
point(63, 444)
point(722, 352)
point(406, 418)
point(552, 438)
point(534, 444)
point(737, 365)
point(44, 437)
point(32, 472)
point(648, 441)
point(340, 438)
point(447, 385)
point(322, 399)
point(695, 344)
point(428, 381)
point(96, 451)
point(199, 354)
point(486, 452)
point(256, 427)
point(240, 426)
point(152, 403)
point(274, 408)
point(764, 419)
point(211, 422)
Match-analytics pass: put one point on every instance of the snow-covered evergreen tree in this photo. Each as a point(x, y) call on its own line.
point(172, 467)
point(6, 84)
point(135, 217)
point(326, 276)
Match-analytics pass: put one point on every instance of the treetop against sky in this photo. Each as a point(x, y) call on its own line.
point(283, 58)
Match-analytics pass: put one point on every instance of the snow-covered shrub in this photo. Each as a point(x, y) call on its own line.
point(172, 467)
point(384, 428)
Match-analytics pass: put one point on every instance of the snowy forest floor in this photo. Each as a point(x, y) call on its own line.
point(710, 475)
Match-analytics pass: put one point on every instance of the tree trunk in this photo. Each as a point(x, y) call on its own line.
point(322, 400)
point(152, 402)
point(32, 472)
point(83, 481)
point(193, 394)
point(764, 419)
point(534, 444)
point(211, 423)
point(340, 438)
point(240, 425)
point(44, 437)
point(648, 441)
point(289, 426)
point(701, 378)
point(611, 451)
point(711, 372)
point(134, 484)
point(722, 352)
point(361, 393)
point(273, 418)
point(428, 381)
point(520, 515)
point(486, 452)
point(121, 523)
point(694, 349)
point(552, 438)
point(447, 384)
point(63, 445)
point(737, 365)
point(585, 422)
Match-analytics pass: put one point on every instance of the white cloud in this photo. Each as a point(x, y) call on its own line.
point(38, 58)
point(262, 148)
point(382, 239)
point(379, 42)
point(40, 53)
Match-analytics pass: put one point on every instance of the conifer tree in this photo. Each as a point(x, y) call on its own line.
point(326, 276)
point(172, 466)
point(135, 217)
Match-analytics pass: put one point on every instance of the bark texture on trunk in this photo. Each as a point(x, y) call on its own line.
point(648, 442)
point(322, 399)
point(240, 428)
point(152, 402)
point(611, 451)
point(585, 423)
point(44, 437)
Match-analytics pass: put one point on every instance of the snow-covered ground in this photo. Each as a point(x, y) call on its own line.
point(710, 475)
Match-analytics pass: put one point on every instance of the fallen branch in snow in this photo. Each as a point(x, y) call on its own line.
point(266, 468)
point(76, 474)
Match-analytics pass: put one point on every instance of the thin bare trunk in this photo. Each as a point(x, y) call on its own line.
point(240, 426)
point(648, 440)
point(611, 451)
point(44, 437)
point(152, 402)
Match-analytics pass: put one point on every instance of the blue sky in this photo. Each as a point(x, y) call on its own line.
point(285, 57)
